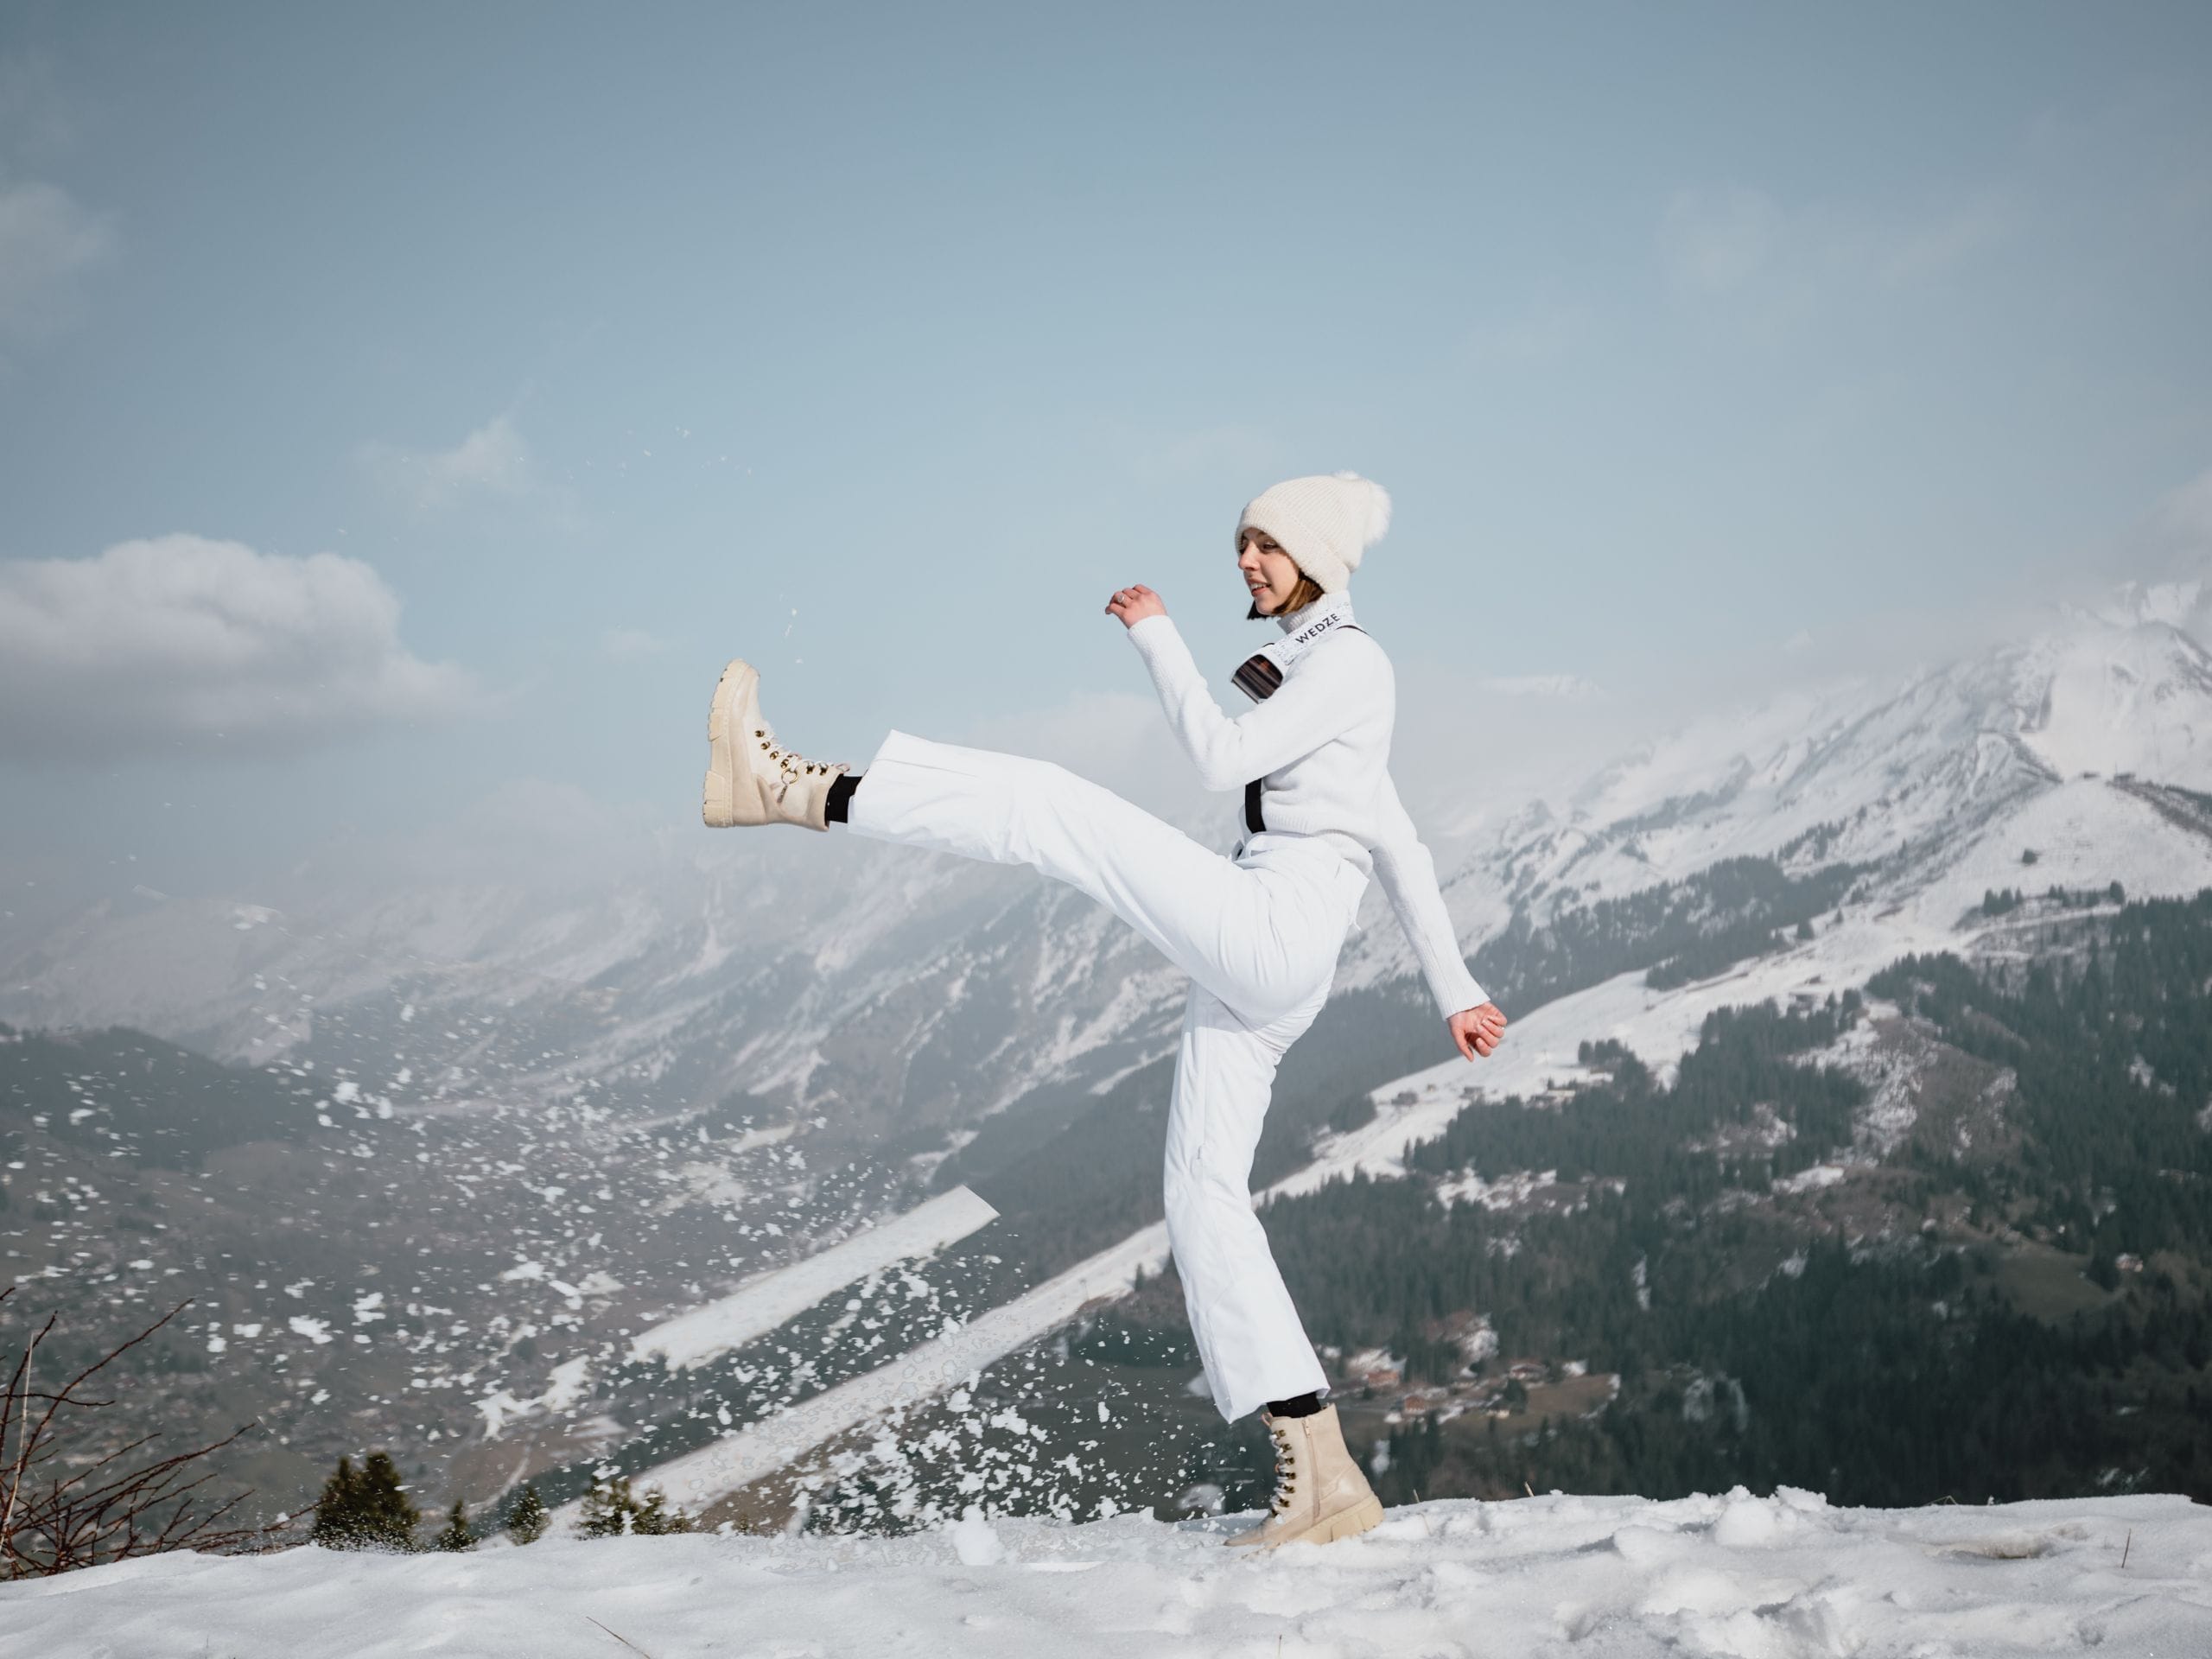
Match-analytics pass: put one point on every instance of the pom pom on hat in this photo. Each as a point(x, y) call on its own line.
point(1324, 521)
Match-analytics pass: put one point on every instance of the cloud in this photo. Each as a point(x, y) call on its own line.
point(182, 642)
point(46, 241)
point(493, 461)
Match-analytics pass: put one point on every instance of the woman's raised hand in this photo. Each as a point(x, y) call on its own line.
point(1477, 1031)
point(1134, 604)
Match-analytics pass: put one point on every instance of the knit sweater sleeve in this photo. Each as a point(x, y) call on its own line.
point(1408, 877)
point(1323, 699)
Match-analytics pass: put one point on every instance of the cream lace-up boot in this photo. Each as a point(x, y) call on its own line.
point(1320, 1493)
point(752, 779)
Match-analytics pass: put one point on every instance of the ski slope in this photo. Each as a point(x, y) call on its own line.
point(1658, 1027)
point(1786, 1577)
point(699, 1334)
point(742, 1456)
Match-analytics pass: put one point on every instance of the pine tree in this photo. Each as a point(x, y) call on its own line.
point(527, 1520)
point(657, 1515)
point(365, 1509)
point(608, 1508)
point(455, 1535)
point(334, 1510)
point(611, 1508)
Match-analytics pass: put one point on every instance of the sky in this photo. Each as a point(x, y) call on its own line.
point(407, 410)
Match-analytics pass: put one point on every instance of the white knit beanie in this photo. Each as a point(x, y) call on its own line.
point(1324, 521)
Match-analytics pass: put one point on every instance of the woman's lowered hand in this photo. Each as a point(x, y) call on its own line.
point(1477, 1031)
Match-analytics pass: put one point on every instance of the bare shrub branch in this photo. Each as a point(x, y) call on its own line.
point(51, 1521)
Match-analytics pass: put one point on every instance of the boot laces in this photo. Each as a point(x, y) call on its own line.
point(1286, 1468)
point(792, 765)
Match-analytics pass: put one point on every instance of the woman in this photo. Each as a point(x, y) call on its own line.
point(1258, 932)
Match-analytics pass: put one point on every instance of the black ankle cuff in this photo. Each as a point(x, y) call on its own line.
point(1303, 1405)
point(841, 792)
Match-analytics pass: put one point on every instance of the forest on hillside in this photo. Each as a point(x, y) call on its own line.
point(1754, 1343)
point(2014, 1300)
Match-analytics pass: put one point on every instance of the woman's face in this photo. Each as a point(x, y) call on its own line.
point(1268, 571)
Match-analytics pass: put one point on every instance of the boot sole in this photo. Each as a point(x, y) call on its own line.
point(1362, 1516)
point(718, 796)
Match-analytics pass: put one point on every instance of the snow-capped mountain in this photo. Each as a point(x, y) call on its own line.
point(899, 994)
point(2083, 744)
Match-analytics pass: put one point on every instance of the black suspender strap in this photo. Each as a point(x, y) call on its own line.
point(1258, 678)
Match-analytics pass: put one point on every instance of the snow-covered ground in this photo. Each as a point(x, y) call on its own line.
point(1785, 1577)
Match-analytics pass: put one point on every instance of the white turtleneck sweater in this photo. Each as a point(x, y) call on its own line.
point(1321, 746)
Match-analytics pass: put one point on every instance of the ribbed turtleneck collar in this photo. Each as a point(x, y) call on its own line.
point(1301, 616)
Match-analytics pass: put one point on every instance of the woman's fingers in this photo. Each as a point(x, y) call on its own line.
point(1475, 1033)
point(1131, 604)
point(1478, 1032)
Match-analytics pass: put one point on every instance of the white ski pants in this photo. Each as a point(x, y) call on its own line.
point(1258, 934)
